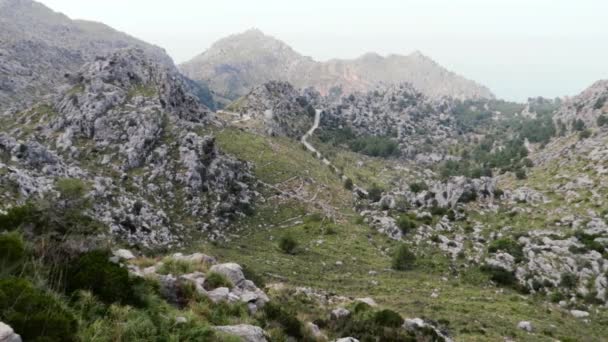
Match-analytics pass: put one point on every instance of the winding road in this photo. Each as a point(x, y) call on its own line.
point(310, 132)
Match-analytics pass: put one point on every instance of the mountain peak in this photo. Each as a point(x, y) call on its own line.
point(236, 64)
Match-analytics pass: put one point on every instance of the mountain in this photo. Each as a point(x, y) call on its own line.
point(234, 65)
point(127, 127)
point(39, 46)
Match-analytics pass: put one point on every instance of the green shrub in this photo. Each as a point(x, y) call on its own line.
point(376, 146)
point(584, 134)
point(375, 193)
point(213, 280)
point(388, 318)
point(403, 259)
point(12, 252)
point(578, 125)
point(589, 241)
point(568, 280)
point(108, 281)
point(288, 244)
point(507, 245)
point(34, 314)
point(520, 174)
point(418, 187)
point(17, 217)
point(405, 224)
point(288, 321)
point(500, 275)
point(557, 297)
point(348, 184)
point(602, 120)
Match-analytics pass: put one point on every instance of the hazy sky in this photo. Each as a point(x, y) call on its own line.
point(518, 48)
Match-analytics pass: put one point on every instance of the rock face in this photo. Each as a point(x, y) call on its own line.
point(236, 64)
point(130, 127)
point(587, 106)
point(399, 112)
point(39, 46)
point(275, 108)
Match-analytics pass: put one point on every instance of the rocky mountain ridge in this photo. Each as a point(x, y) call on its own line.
point(38, 46)
point(238, 63)
point(129, 127)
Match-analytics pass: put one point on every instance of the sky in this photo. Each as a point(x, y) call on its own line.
point(518, 48)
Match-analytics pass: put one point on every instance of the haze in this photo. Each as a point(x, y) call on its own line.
point(518, 48)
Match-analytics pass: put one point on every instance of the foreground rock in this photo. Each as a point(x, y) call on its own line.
point(7, 334)
point(247, 333)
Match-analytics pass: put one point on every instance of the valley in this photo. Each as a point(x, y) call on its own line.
point(254, 194)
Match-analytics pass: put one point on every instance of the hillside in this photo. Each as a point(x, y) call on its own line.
point(378, 199)
point(234, 65)
point(39, 47)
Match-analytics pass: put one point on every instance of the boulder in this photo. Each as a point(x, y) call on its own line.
point(247, 333)
point(339, 313)
point(124, 254)
point(579, 313)
point(525, 325)
point(7, 334)
point(231, 271)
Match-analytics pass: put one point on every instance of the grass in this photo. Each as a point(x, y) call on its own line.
point(469, 305)
point(476, 310)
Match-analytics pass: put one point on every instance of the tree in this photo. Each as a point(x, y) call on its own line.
point(403, 259)
point(578, 125)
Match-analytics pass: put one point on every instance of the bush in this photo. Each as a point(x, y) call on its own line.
point(520, 174)
point(348, 184)
point(34, 314)
point(288, 321)
point(507, 245)
point(500, 275)
point(403, 259)
point(388, 318)
point(375, 193)
point(12, 252)
point(589, 241)
point(602, 120)
point(214, 280)
point(405, 224)
point(376, 146)
point(584, 134)
point(288, 244)
point(17, 217)
point(578, 125)
point(108, 281)
point(568, 280)
point(418, 187)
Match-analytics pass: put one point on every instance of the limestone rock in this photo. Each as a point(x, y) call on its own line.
point(247, 333)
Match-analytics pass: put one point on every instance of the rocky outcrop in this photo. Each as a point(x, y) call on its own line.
point(275, 108)
point(400, 113)
point(587, 107)
point(130, 128)
point(238, 63)
point(39, 46)
point(241, 289)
